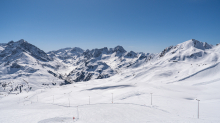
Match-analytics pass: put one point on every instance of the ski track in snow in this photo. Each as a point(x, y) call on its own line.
point(199, 72)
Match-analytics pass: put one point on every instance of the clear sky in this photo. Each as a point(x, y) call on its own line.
point(139, 25)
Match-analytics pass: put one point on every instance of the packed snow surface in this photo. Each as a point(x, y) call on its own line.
point(174, 102)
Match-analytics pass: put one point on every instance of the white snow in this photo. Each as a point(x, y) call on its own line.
point(175, 79)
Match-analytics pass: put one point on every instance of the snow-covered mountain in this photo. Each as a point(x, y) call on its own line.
point(96, 63)
point(22, 63)
point(13, 50)
point(189, 54)
point(66, 54)
point(112, 84)
point(189, 50)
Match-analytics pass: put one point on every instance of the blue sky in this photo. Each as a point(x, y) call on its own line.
point(139, 25)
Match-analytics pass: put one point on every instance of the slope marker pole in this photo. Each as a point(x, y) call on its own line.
point(77, 113)
point(112, 97)
point(151, 98)
point(198, 107)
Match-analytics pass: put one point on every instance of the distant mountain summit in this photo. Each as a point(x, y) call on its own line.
point(66, 53)
point(196, 44)
point(12, 50)
point(188, 50)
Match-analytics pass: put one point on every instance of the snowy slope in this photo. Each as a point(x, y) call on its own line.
point(171, 103)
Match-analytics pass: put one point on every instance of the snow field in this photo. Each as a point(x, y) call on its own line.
point(131, 103)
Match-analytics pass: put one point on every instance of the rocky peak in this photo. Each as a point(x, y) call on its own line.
point(194, 40)
point(197, 44)
point(119, 49)
point(21, 41)
point(131, 54)
point(76, 49)
point(10, 42)
point(23, 46)
point(95, 52)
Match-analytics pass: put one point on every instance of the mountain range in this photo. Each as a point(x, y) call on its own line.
point(25, 67)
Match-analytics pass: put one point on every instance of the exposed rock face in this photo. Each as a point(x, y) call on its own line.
point(131, 54)
point(165, 51)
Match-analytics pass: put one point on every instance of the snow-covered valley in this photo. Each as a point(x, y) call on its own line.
point(109, 85)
